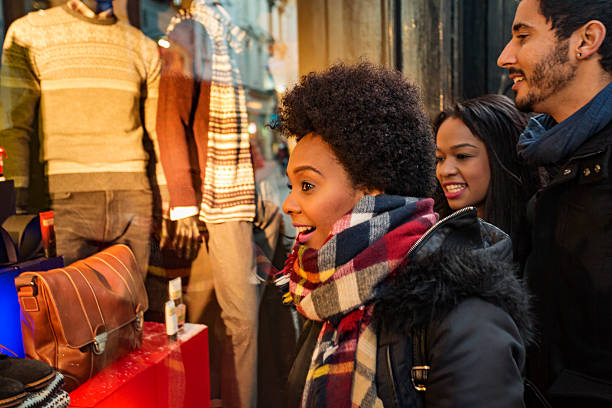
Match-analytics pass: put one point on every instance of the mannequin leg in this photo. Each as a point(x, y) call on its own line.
point(237, 290)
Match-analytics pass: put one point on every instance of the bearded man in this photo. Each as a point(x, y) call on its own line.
point(560, 59)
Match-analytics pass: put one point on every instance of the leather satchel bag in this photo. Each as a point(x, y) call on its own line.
point(81, 318)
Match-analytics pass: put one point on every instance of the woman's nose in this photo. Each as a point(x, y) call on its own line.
point(446, 168)
point(290, 205)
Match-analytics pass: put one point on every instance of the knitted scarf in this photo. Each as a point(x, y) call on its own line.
point(228, 192)
point(546, 142)
point(335, 284)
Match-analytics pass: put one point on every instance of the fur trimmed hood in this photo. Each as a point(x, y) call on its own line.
point(440, 276)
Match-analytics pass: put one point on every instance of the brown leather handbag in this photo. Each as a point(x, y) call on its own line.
point(81, 318)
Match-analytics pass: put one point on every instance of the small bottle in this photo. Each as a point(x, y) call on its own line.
point(171, 321)
point(175, 291)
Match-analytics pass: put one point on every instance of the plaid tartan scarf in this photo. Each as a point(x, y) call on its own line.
point(335, 284)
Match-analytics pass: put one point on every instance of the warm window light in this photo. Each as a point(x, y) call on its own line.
point(255, 105)
point(163, 43)
point(252, 128)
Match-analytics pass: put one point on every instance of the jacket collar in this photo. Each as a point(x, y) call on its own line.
point(461, 258)
point(590, 163)
point(595, 144)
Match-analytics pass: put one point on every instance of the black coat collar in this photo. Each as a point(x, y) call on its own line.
point(443, 273)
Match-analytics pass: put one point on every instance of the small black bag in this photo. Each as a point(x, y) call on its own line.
point(8, 251)
point(420, 369)
point(25, 232)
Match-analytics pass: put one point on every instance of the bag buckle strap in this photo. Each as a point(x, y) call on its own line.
point(32, 284)
point(419, 376)
point(139, 322)
point(99, 344)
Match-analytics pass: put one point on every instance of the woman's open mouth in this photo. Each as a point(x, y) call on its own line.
point(454, 190)
point(304, 233)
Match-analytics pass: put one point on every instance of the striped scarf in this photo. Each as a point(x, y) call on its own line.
point(228, 192)
point(335, 284)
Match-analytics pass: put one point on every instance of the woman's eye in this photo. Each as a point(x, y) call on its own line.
point(289, 186)
point(463, 156)
point(307, 186)
point(439, 159)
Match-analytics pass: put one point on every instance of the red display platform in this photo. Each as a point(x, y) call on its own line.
point(160, 374)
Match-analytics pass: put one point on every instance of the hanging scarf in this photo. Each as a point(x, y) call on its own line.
point(335, 284)
point(545, 142)
point(228, 191)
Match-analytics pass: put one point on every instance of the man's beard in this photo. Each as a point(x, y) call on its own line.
point(553, 73)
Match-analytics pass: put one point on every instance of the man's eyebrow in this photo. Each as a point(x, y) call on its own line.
point(304, 168)
point(518, 26)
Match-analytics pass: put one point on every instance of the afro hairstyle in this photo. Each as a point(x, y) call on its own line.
point(373, 120)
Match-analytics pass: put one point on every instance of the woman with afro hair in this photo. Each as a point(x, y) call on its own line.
point(401, 310)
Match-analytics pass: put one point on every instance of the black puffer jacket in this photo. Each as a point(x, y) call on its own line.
point(461, 288)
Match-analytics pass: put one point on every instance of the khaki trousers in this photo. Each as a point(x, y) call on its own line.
point(223, 293)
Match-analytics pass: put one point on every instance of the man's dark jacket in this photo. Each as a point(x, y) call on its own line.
point(569, 272)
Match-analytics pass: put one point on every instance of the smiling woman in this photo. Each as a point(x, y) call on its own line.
point(371, 265)
point(477, 164)
point(462, 165)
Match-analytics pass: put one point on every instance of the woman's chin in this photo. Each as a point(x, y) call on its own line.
point(314, 242)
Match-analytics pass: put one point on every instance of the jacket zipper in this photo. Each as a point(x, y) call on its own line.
point(416, 245)
point(391, 379)
point(584, 156)
point(457, 213)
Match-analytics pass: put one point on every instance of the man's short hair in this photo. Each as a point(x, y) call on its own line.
point(569, 15)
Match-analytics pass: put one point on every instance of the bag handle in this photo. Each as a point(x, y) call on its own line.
point(8, 244)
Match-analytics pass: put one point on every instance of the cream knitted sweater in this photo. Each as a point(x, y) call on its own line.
point(90, 88)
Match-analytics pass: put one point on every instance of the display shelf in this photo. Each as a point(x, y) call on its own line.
point(160, 374)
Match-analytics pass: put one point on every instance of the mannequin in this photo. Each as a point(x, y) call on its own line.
point(183, 234)
point(100, 6)
point(91, 125)
point(221, 200)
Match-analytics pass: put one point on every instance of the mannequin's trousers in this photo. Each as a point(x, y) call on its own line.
point(223, 293)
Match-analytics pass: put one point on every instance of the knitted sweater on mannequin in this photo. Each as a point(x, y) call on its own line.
point(91, 84)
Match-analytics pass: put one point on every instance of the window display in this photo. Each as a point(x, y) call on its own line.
point(79, 93)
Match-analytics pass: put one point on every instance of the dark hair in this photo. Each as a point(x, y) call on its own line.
point(569, 15)
point(496, 121)
point(374, 122)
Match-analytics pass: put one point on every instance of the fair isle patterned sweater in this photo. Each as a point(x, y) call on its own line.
point(90, 86)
